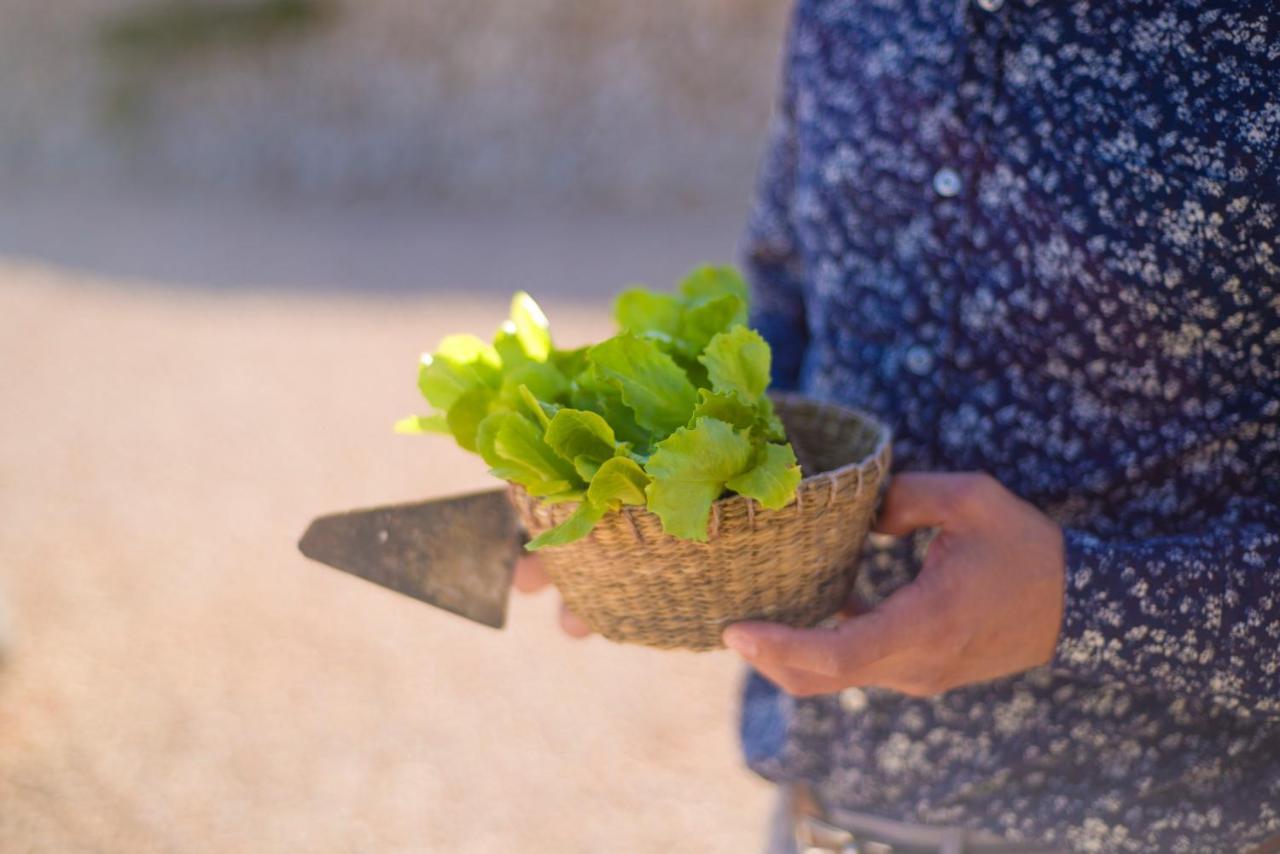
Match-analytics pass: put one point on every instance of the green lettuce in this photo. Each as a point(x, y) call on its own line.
point(651, 384)
point(671, 413)
point(690, 469)
point(618, 481)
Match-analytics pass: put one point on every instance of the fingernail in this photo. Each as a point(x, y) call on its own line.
point(740, 642)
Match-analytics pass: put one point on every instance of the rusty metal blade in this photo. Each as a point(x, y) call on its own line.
point(455, 553)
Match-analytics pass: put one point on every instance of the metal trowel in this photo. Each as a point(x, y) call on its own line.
point(455, 553)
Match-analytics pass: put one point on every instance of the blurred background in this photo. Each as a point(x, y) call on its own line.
point(228, 229)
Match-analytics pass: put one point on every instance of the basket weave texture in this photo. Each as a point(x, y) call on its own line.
point(631, 582)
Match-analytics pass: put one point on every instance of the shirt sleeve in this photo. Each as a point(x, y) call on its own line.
point(1194, 615)
point(771, 253)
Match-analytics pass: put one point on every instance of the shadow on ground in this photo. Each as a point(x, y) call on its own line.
point(230, 243)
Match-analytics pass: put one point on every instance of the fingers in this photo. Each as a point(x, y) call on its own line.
point(776, 647)
point(859, 651)
point(933, 500)
point(572, 624)
point(855, 606)
point(530, 577)
point(800, 683)
point(842, 652)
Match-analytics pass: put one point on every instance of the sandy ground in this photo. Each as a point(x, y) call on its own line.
point(181, 680)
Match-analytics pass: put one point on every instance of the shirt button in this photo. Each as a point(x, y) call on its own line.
point(990, 5)
point(946, 182)
point(919, 360)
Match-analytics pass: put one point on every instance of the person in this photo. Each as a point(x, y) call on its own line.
point(1042, 241)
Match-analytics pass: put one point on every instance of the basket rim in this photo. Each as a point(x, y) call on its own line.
point(877, 458)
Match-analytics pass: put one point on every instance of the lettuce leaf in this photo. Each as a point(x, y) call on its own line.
point(619, 481)
point(645, 312)
point(461, 363)
point(690, 469)
point(467, 412)
point(583, 438)
point(422, 424)
point(758, 415)
point(530, 405)
point(711, 300)
point(526, 335)
point(773, 479)
point(726, 406)
point(652, 385)
point(595, 394)
point(515, 450)
point(702, 323)
point(707, 282)
point(738, 361)
point(671, 412)
point(544, 381)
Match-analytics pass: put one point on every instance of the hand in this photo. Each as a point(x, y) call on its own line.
point(530, 577)
point(986, 603)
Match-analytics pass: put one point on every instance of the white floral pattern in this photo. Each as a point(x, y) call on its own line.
point(1040, 238)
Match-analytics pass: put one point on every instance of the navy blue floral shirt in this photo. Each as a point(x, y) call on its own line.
point(1042, 240)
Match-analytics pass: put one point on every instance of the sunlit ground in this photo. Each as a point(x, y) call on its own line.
point(183, 388)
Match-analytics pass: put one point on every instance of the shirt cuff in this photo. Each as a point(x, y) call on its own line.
point(1098, 581)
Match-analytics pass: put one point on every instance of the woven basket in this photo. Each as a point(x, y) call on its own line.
point(631, 582)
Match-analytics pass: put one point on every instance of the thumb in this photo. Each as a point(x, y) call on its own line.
point(928, 500)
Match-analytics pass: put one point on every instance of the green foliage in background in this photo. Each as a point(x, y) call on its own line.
point(173, 29)
point(670, 413)
point(145, 41)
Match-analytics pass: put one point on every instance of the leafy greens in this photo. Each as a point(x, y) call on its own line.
point(670, 413)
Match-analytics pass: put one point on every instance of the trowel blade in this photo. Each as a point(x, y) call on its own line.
point(455, 553)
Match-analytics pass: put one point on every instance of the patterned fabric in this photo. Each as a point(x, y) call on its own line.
point(1041, 240)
